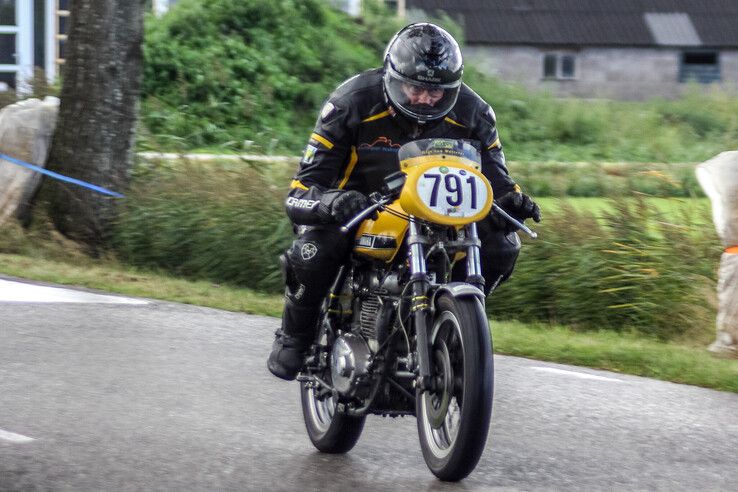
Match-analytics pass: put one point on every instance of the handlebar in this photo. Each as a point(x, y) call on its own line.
point(514, 221)
point(365, 213)
point(381, 202)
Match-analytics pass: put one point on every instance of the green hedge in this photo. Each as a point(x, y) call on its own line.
point(538, 127)
point(595, 179)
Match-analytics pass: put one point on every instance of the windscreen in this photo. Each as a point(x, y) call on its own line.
point(468, 149)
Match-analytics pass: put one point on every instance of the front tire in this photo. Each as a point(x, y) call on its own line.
point(453, 420)
point(328, 430)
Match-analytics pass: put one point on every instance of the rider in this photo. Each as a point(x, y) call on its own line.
point(417, 94)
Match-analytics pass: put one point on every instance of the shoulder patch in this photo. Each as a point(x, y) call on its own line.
point(327, 110)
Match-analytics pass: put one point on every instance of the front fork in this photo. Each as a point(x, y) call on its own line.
point(420, 305)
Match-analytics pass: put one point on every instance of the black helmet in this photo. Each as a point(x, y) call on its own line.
point(423, 68)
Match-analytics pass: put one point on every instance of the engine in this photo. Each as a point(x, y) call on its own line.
point(352, 353)
point(372, 289)
point(350, 360)
point(368, 317)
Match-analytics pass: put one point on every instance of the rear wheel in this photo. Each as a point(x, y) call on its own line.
point(453, 420)
point(329, 430)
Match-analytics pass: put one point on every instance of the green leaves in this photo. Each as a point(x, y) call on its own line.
point(234, 70)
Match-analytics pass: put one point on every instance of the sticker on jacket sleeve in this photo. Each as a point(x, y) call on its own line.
point(309, 155)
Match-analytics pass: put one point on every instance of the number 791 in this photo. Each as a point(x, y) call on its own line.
point(454, 189)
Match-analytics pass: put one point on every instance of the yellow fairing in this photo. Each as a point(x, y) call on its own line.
point(414, 205)
point(381, 238)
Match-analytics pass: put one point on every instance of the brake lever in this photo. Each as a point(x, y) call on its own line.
point(363, 214)
point(514, 221)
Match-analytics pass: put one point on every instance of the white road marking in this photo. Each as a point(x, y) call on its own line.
point(22, 292)
point(576, 374)
point(13, 437)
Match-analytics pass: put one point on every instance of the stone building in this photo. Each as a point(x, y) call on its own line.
point(630, 49)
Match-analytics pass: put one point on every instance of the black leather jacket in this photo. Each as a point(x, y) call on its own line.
point(355, 141)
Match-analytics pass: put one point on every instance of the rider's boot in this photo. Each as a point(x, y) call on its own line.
point(292, 340)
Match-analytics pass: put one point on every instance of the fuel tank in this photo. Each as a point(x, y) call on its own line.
point(381, 239)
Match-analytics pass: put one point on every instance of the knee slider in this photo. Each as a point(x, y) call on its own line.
point(307, 255)
point(309, 266)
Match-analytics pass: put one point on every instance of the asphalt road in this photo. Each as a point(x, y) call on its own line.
point(97, 395)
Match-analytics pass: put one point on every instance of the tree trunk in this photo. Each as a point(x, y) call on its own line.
point(97, 117)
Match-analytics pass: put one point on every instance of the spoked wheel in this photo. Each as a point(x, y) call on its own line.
point(329, 430)
point(453, 419)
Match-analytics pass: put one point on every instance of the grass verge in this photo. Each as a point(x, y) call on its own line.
point(625, 353)
point(618, 352)
point(112, 277)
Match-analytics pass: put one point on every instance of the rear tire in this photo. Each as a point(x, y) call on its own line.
point(329, 431)
point(453, 421)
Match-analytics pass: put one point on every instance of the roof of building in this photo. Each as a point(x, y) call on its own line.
point(686, 23)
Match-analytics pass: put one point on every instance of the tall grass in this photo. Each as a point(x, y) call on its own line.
point(593, 179)
point(633, 268)
point(197, 221)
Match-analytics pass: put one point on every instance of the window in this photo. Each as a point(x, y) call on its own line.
point(567, 66)
point(7, 12)
point(699, 66)
point(549, 66)
point(559, 66)
point(7, 49)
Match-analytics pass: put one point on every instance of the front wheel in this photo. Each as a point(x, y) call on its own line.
point(453, 419)
point(329, 430)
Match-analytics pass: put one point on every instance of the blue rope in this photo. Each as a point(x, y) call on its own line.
point(61, 177)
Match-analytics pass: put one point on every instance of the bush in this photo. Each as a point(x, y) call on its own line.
point(224, 71)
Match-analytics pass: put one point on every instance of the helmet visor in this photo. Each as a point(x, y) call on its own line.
point(420, 101)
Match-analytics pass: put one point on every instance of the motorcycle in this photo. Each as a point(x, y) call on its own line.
point(398, 333)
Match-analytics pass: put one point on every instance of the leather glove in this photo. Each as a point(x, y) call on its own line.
point(342, 205)
point(520, 206)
